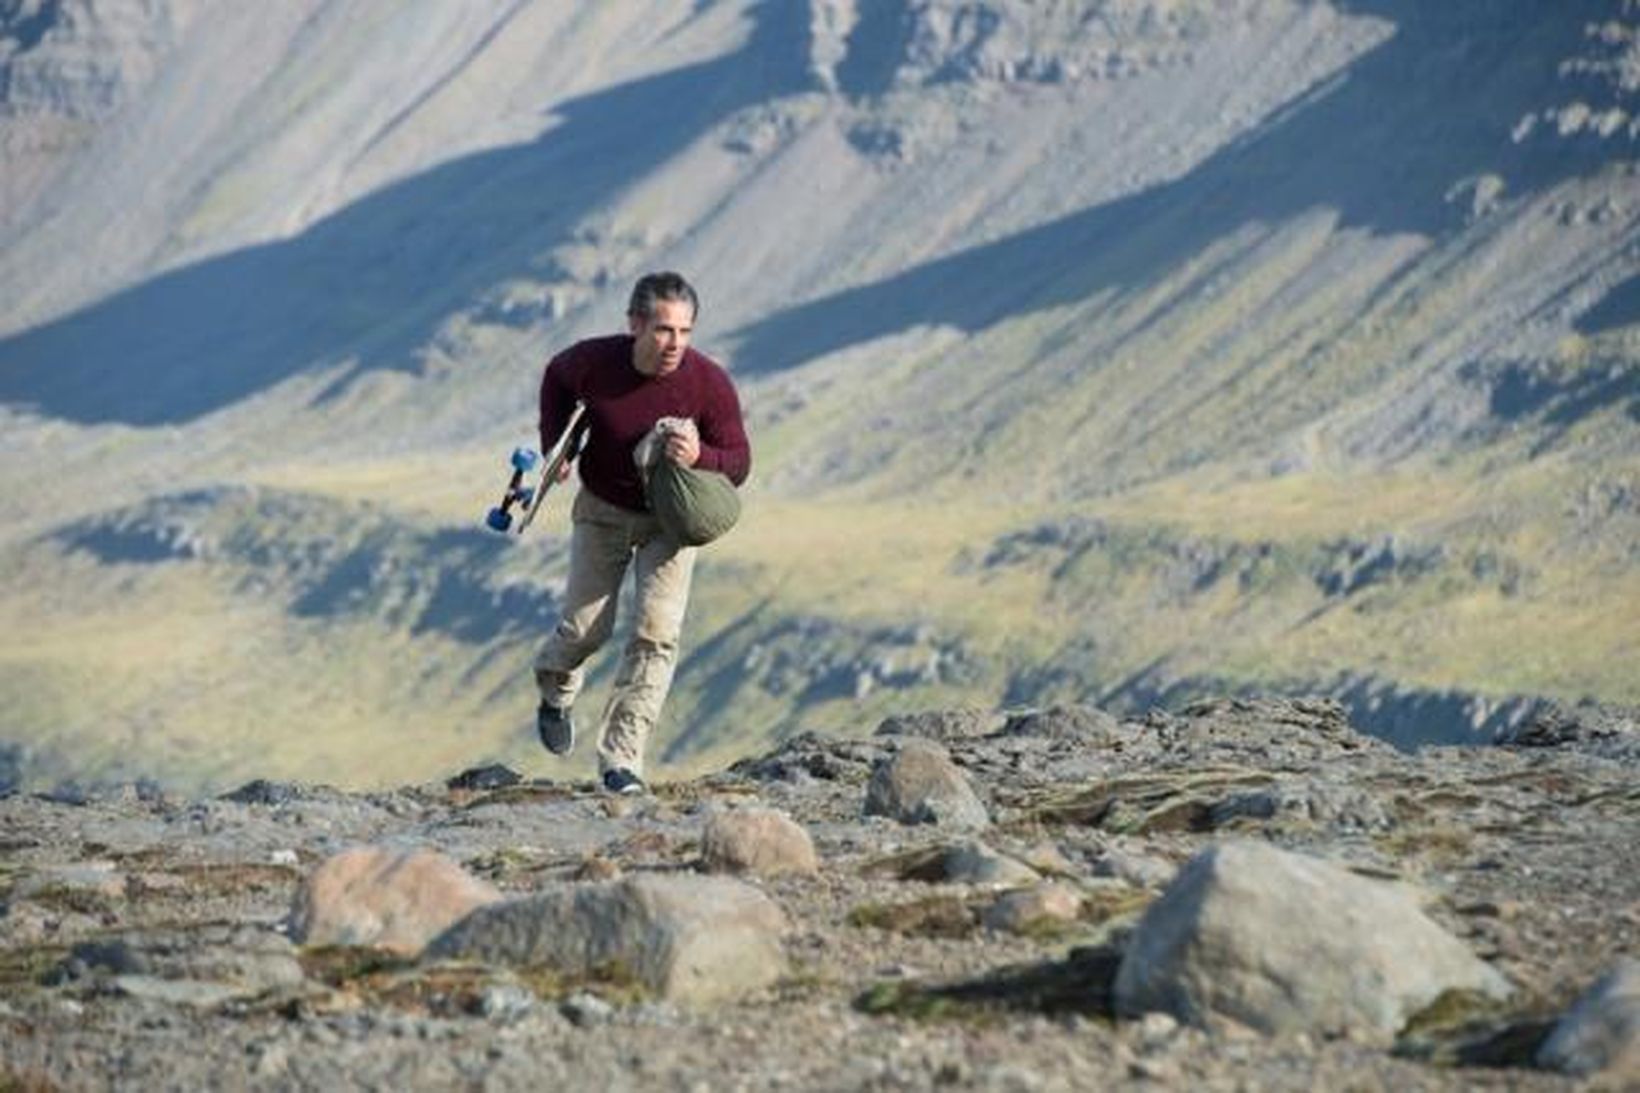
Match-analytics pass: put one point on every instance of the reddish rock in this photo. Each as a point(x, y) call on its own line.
point(386, 897)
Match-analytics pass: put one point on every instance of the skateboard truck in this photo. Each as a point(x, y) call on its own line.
point(524, 460)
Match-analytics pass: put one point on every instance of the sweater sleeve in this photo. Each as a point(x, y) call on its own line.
point(557, 398)
point(724, 446)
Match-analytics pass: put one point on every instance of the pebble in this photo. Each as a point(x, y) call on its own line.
point(586, 1010)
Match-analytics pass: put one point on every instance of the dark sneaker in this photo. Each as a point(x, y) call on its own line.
point(556, 729)
point(622, 781)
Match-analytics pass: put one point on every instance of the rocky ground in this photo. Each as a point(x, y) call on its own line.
point(148, 941)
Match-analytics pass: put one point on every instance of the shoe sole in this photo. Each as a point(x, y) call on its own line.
point(558, 738)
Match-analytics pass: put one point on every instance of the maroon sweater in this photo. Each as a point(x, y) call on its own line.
point(623, 404)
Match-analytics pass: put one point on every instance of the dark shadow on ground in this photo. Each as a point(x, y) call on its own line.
point(1382, 144)
point(368, 285)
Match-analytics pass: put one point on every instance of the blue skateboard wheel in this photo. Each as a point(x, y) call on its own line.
point(498, 520)
point(526, 495)
point(524, 459)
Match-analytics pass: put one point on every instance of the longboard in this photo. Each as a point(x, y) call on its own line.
point(569, 446)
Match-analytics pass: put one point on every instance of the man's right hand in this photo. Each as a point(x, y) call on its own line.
point(563, 470)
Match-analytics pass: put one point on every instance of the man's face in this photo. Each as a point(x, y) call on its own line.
point(662, 337)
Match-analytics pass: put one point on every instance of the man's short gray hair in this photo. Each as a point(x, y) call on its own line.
point(652, 288)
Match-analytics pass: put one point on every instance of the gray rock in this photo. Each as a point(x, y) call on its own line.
point(188, 993)
point(1308, 800)
point(975, 863)
point(503, 1002)
point(585, 1010)
point(263, 791)
point(939, 724)
point(1600, 1034)
point(920, 785)
point(385, 896)
point(690, 939)
point(1139, 870)
point(760, 841)
point(92, 878)
point(488, 776)
point(1026, 909)
point(1087, 725)
point(1285, 944)
point(208, 964)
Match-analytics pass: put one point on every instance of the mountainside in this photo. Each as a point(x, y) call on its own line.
point(1114, 350)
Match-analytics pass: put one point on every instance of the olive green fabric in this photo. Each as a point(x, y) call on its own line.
point(695, 506)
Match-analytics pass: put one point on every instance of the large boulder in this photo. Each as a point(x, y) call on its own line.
point(387, 897)
point(919, 784)
point(763, 842)
point(689, 939)
point(1600, 1034)
point(1287, 943)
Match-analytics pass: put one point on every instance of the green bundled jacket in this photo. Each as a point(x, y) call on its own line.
point(695, 506)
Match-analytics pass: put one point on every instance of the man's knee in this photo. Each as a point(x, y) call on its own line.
point(581, 640)
point(653, 645)
point(660, 622)
point(647, 661)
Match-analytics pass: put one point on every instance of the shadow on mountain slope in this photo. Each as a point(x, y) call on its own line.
point(368, 285)
point(1619, 308)
point(1382, 144)
point(331, 561)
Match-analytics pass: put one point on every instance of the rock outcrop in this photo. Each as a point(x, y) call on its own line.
point(690, 940)
point(1347, 914)
point(1286, 943)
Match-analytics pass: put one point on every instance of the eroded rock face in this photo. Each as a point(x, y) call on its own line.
point(1600, 1034)
point(691, 940)
point(386, 897)
point(920, 785)
point(1287, 943)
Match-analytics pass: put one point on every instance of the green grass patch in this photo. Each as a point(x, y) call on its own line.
point(932, 916)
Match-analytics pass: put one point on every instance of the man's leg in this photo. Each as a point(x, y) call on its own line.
point(664, 572)
point(600, 548)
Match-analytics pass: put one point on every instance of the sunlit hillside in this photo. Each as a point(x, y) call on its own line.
point(1110, 351)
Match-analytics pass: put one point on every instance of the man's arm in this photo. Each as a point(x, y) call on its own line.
point(724, 446)
point(557, 399)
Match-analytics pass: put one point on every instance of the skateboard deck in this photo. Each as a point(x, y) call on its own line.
point(569, 446)
point(527, 498)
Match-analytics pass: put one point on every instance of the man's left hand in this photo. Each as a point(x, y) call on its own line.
point(683, 448)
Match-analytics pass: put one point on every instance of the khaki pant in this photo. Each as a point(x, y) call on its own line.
point(604, 541)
